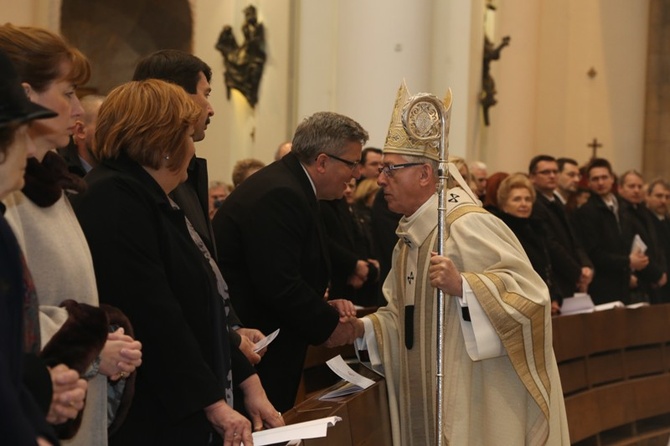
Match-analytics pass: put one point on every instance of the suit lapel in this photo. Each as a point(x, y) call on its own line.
point(293, 164)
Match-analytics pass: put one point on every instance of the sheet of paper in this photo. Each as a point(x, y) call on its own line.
point(299, 431)
point(579, 303)
point(260, 345)
point(353, 382)
point(344, 389)
point(610, 305)
point(345, 372)
point(638, 245)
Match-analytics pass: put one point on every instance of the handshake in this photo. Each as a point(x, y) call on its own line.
point(349, 327)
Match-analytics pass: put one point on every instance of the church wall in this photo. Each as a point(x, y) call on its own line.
point(548, 103)
point(238, 131)
point(354, 55)
point(350, 57)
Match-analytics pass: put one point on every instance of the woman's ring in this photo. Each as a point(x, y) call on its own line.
point(123, 374)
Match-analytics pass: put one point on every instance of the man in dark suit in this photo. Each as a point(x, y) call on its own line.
point(192, 197)
point(273, 248)
point(653, 276)
point(607, 235)
point(657, 200)
point(194, 76)
point(573, 269)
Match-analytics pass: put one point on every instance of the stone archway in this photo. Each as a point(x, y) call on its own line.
point(115, 35)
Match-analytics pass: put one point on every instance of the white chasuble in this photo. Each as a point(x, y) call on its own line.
point(503, 387)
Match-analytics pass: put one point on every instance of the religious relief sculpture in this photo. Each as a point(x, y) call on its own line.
point(244, 63)
point(491, 53)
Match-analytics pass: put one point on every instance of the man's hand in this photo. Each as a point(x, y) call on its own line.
point(344, 307)
point(555, 308)
point(638, 261)
point(69, 393)
point(444, 275)
point(585, 279)
point(344, 333)
point(360, 274)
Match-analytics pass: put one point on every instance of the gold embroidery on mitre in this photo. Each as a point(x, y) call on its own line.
point(397, 139)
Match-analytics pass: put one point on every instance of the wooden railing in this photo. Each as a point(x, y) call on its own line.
point(615, 373)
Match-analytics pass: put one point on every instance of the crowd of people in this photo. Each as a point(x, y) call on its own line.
point(135, 292)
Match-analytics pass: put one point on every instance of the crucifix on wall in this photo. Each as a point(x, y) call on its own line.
point(595, 145)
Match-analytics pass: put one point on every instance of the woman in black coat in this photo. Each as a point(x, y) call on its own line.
point(515, 200)
point(150, 263)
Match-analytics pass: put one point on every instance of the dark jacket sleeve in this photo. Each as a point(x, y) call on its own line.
point(274, 256)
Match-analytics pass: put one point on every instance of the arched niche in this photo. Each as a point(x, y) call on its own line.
point(115, 35)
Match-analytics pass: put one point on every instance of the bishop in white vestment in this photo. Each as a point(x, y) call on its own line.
point(501, 383)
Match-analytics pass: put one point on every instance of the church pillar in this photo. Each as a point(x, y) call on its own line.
point(353, 55)
point(656, 160)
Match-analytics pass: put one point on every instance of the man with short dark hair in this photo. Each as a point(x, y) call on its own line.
point(572, 268)
point(194, 76)
point(568, 179)
point(273, 248)
point(371, 161)
point(607, 236)
point(192, 197)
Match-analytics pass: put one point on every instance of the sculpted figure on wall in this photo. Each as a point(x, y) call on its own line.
point(491, 53)
point(244, 63)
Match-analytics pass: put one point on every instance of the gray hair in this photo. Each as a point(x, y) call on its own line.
point(325, 132)
point(657, 182)
point(477, 165)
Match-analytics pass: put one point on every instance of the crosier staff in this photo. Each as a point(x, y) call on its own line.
point(426, 119)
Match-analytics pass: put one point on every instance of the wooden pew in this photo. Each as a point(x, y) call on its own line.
point(365, 415)
point(615, 373)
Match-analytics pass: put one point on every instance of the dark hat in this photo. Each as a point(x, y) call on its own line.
point(14, 104)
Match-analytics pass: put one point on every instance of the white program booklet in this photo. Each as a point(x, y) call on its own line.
point(638, 245)
point(579, 303)
point(260, 345)
point(292, 432)
point(353, 381)
point(582, 303)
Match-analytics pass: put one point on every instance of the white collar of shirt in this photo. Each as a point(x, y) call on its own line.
point(309, 178)
point(560, 198)
point(610, 201)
